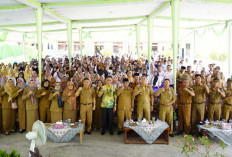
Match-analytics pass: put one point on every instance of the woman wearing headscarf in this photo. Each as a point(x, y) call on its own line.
point(21, 75)
point(70, 106)
point(32, 114)
point(21, 105)
point(57, 103)
point(44, 105)
point(97, 113)
point(16, 71)
point(8, 94)
point(52, 82)
point(27, 73)
point(63, 82)
point(4, 81)
point(4, 70)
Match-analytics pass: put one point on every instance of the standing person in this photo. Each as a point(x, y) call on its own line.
point(109, 99)
point(97, 113)
point(169, 75)
point(167, 98)
point(87, 104)
point(57, 104)
point(21, 105)
point(9, 93)
point(215, 101)
point(32, 114)
point(199, 101)
point(136, 81)
point(44, 104)
point(27, 73)
point(179, 77)
point(227, 108)
point(145, 98)
point(184, 100)
point(70, 106)
point(125, 107)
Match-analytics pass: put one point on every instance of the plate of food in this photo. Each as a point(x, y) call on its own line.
point(47, 125)
point(74, 126)
point(133, 124)
point(207, 126)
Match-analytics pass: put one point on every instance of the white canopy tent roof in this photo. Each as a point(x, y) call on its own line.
point(16, 15)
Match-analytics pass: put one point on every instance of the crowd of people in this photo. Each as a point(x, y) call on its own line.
point(97, 87)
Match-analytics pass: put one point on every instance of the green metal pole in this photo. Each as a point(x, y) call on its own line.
point(138, 39)
point(229, 50)
point(24, 43)
point(69, 25)
point(149, 41)
point(80, 40)
point(39, 23)
point(194, 44)
point(175, 6)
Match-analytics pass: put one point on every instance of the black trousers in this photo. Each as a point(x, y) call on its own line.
point(107, 115)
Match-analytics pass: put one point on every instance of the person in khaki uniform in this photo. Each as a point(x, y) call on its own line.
point(184, 100)
point(70, 105)
point(9, 93)
point(97, 114)
point(44, 104)
point(167, 98)
point(215, 98)
point(125, 107)
point(227, 107)
point(179, 77)
point(199, 101)
point(32, 114)
point(57, 104)
point(21, 106)
point(87, 104)
point(145, 98)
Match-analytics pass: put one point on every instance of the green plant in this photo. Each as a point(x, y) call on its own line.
point(190, 146)
point(14, 153)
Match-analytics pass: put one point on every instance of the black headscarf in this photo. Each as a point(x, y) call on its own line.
point(156, 79)
point(46, 80)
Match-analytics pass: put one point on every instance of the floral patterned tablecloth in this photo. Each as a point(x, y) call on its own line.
point(224, 135)
point(64, 135)
point(151, 132)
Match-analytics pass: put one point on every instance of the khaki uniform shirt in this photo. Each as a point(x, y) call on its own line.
point(183, 96)
point(200, 94)
point(124, 99)
point(87, 95)
point(145, 96)
point(167, 96)
point(228, 94)
point(214, 96)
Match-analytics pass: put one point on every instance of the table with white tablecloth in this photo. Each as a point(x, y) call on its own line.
point(65, 134)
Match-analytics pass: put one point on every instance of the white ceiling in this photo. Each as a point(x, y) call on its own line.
point(189, 9)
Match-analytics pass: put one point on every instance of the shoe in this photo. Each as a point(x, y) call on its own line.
point(103, 133)
point(179, 133)
point(171, 135)
point(111, 133)
point(21, 131)
point(88, 132)
point(120, 132)
point(7, 133)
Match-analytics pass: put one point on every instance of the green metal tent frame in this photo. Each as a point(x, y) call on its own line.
point(175, 10)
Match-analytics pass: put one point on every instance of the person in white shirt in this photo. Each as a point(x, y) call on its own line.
point(156, 80)
point(194, 66)
point(180, 64)
point(169, 75)
point(161, 73)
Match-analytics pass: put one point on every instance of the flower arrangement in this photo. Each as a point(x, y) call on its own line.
point(190, 146)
